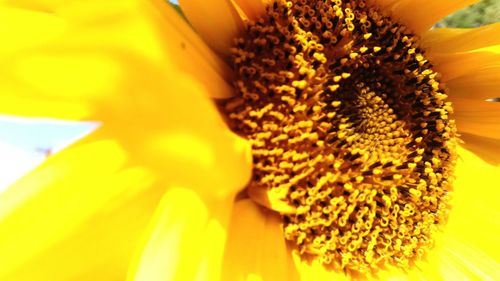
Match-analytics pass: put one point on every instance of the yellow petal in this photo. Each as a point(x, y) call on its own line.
point(461, 261)
point(81, 212)
point(252, 8)
point(182, 136)
point(21, 105)
point(216, 21)
point(475, 86)
point(256, 249)
point(478, 74)
point(471, 235)
point(487, 149)
point(451, 259)
point(93, 52)
point(421, 15)
point(185, 240)
point(458, 65)
point(477, 117)
point(270, 199)
point(383, 4)
point(451, 40)
point(201, 61)
point(42, 28)
point(48, 6)
point(192, 146)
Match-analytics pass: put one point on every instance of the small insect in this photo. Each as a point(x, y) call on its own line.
point(46, 151)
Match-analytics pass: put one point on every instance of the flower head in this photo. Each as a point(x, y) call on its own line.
point(350, 129)
point(284, 140)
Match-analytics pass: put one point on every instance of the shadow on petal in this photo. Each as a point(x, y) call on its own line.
point(486, 148)
point(256, 248)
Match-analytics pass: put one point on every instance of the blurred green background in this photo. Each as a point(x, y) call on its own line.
point(484, 12)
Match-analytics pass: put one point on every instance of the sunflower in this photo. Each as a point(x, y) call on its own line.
point(282, 140)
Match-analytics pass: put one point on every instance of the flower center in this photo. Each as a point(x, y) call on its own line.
point(350, 128)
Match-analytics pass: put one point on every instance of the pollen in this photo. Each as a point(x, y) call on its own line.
point(351, 131)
